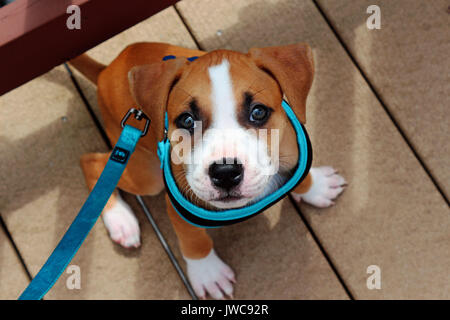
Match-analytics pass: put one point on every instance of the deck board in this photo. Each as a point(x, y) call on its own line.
point(315, 279)
point(407, 63)
point(47, 131)
point(12, 275)
point(273, 255)
point(391, 214)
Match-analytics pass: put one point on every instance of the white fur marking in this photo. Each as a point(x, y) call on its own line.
point(210, 275)
point(122, 224)
point(326, 186)
point(226, 138)
point(224, 104)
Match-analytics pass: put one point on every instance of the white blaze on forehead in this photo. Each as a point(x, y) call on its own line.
point(225, 138)
point(224, 105)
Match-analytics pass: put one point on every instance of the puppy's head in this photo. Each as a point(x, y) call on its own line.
point(226, 121)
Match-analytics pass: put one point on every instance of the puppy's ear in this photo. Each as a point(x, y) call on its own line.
point(150, 86)
point(293, 68)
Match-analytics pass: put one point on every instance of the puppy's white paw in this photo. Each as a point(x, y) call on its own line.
point(210, 275)
point(327, 185)
point(122, 225)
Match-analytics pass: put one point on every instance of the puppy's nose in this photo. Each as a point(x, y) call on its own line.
point(226, 175)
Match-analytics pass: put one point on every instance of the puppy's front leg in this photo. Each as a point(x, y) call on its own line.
point(320, 187)
point(206, 271)
point(118, 218)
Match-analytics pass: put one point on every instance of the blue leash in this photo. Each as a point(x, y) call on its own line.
point(89, 213)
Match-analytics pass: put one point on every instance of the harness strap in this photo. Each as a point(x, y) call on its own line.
point(86, 218)
point(206, 218)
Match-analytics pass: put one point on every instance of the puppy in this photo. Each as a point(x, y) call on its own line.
point(231, 97)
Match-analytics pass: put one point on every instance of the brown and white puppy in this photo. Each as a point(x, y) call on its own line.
point(231, 97)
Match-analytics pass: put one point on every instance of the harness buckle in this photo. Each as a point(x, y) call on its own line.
point(138, 115)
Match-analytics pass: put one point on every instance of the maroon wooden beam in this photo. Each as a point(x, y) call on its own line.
point(34, 36)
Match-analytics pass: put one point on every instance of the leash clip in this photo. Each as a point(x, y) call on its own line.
point(138, 115)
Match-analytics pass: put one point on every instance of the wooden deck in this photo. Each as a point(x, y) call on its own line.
point(378, 112)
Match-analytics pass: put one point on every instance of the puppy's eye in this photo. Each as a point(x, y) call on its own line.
point(259, 114)
point(186, 121)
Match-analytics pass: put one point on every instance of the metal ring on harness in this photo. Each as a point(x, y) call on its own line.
point(138, 115)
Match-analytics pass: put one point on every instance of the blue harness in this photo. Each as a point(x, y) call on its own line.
point(207, 218)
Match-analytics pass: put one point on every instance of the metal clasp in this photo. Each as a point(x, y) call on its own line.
point(138, 115)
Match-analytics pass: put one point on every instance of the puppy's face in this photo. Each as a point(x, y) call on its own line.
point(226, 121)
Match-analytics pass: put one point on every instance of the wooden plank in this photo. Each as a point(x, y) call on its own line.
point(407, 62)
point(12, 275)
point(35, 37)
point(391, 214)
point(252, 263)
point(43, 189)
point(275, 257)
point(108, 271)
point(165, 26)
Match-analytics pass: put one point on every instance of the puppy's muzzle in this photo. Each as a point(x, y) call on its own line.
point(226, 174)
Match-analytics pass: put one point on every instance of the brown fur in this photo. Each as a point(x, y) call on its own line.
point(138, 76)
